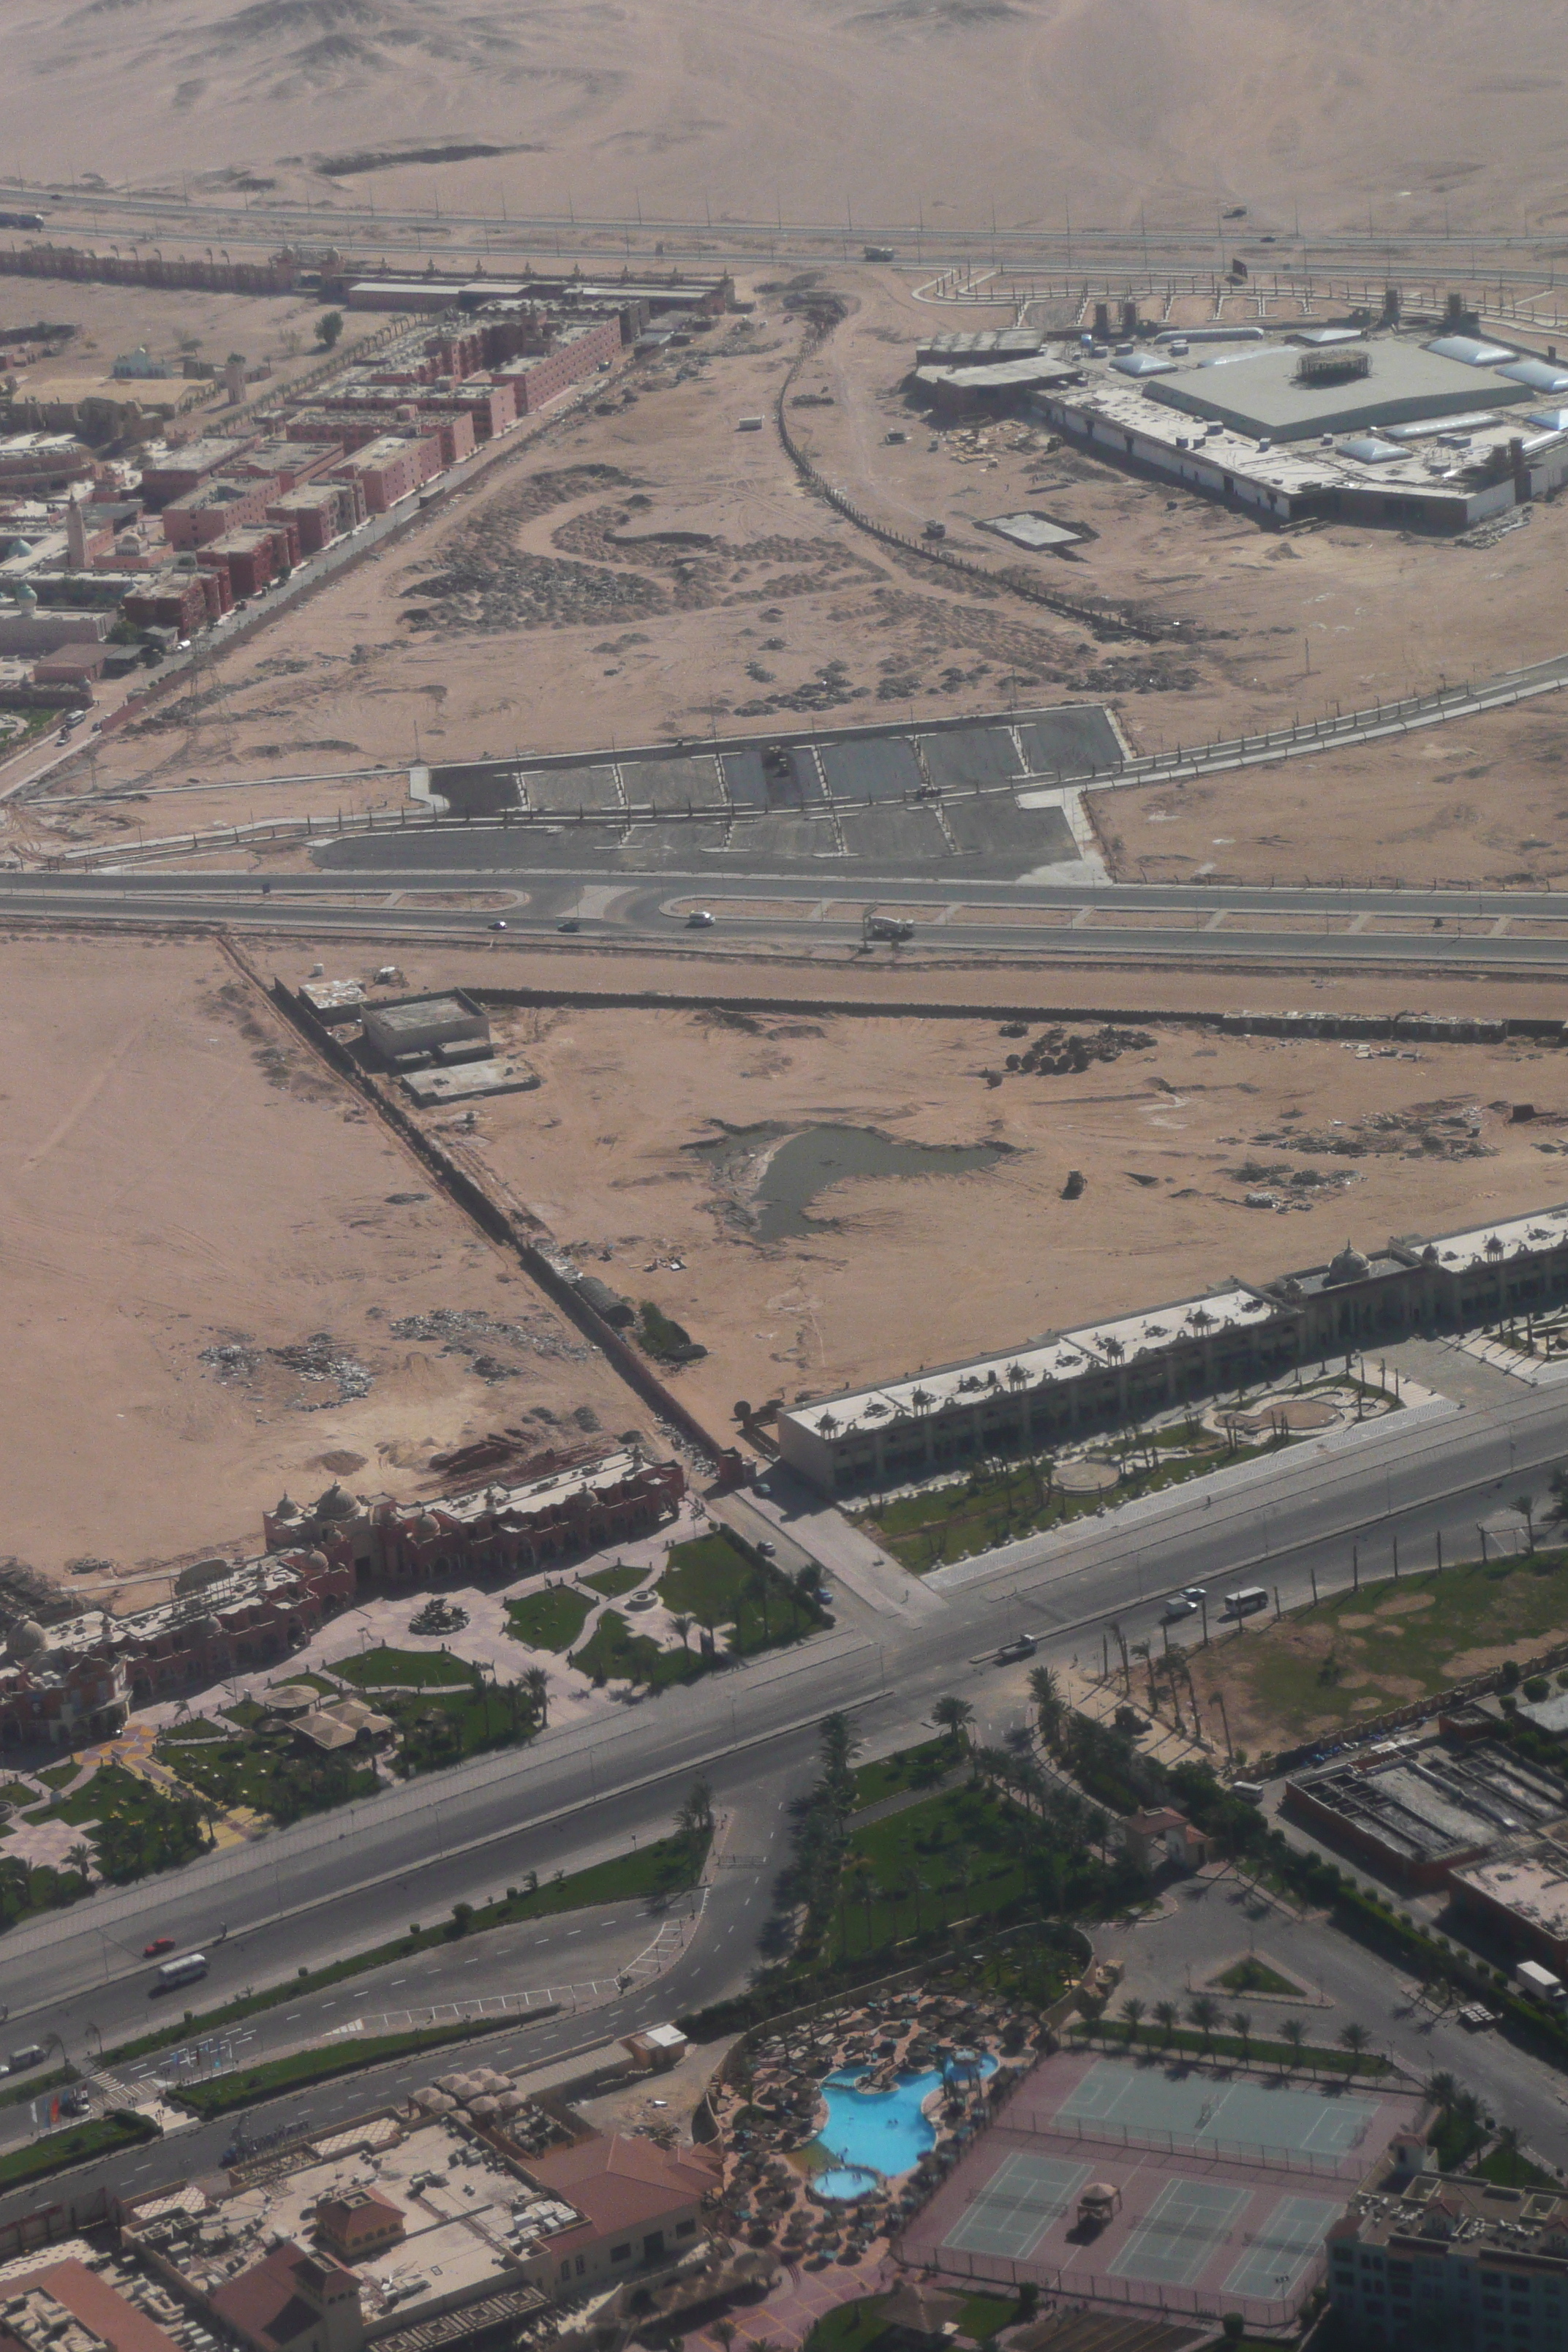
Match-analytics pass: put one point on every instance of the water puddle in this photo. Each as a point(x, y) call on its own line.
point(808, 1162)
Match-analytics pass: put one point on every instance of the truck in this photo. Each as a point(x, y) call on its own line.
point(182, 1971)
point(1540, 1984)
point(1247, 1603)
point(894, 928)
point(878, 253)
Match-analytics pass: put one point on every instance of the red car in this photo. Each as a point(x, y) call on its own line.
point(159, 1943)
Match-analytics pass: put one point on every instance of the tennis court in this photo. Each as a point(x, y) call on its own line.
point(1225, 2182)
point(1180, 2232)
point(1017, 2205)
point(1286, 2246)
point(1200, 2109)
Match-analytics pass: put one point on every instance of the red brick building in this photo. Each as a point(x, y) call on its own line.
point(182, 470)
point(217, 508)
point(553, 1513)
point(392, 467)
point(320, 512)
point(289, 463)
point(252, 560)
point(576, 351)
point(184, 600)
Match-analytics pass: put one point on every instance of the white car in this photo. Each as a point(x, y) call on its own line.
point(1176, 1607)
point(1194, 1592)
point(699, 919)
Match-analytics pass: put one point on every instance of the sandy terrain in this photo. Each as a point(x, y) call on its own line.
point(177, 1174)
point(1477, 800)
point(1171, 1139)
point(477, 630)
point(933, 104)
point(110, 320)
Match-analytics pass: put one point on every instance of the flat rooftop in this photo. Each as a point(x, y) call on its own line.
point(1063, 1355)
point(1435, 2206)
point(1431, 1805)
point(1256, 394)
point(467, 2217)
point(1531, 1881)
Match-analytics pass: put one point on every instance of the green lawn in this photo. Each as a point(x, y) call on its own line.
point(548, 1620)
point(712, 1579)
point(61, 2149)
point(962, 1848)
point(59, 1776)
point(908, 1767)
point(265, 1774)
point(440, 1727)
point(1509, 2169)
point(849, 2328)
point(136, 1828)
point(195, 1727)
point(1253, 1975)
point(942, 1524)
point(407, 1669)
point(1358, 1653)
point(618, 1655)
point(613, 1582)
point(16, 1792)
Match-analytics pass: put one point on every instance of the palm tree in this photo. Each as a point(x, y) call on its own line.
point(1293, 2034)
point(910, 1887)
point(954, 1715)
point(757, 1585)
point(1442, 2090)
point(1048, 1704)
point(859, 1879)
point(1166, 2014)
point(1204, 2013)
point(1132, 2009)
point(695, 1816)
point(1509, 2149)
point(536, 1683)
point(1355, 2039)
point(1241, 2026)
point(79, 1856)
point(683, 1624)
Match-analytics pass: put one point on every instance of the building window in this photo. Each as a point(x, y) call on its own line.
point(686, 2228)
point(566, 2269)
point(619, 2254)
point(581, 2265)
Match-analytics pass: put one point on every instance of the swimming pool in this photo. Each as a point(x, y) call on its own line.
point(875, 2132)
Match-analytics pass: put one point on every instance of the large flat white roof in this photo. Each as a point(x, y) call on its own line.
point(1066, 1355)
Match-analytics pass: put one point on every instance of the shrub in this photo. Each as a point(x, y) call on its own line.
point(1537, 1688)
point(1508, 1675)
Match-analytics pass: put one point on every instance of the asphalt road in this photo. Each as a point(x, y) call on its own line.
point(355, 1876)
point(1198, 925)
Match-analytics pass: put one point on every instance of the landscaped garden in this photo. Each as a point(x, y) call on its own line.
point(709, 1583)
point(384, 1669)
point(550, 1618)
point(998, 1501)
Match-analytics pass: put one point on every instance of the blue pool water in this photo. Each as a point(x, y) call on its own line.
point(872, 2132)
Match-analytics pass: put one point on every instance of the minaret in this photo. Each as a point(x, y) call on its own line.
point(76, 535)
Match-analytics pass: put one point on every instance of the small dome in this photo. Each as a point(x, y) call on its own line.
point(1349, 1266)
point(426, 1526)
point(287, 1509)
point(337, 1502)
point(26, 1638)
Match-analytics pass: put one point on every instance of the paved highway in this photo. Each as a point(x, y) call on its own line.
point(1194, 924)
point(356, 1876)
point(360, 1874)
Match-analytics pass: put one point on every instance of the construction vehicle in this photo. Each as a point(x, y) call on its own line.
point(893, 929)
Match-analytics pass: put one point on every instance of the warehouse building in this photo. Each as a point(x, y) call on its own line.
point(401, 1026)
point(1522, 1892)
point(1034, 1396)
point(1423, 1812)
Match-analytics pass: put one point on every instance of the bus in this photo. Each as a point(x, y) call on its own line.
point(1247, 1603)
point(181, 1971)
point(21, 220)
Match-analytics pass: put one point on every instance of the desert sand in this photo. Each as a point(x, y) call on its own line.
point(904, 1270)
point(178, 1175)
point(516, 618)
point(841, 113)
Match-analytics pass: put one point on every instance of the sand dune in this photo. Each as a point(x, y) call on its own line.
point(1175, 106)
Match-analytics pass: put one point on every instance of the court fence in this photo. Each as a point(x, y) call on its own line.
point(1103, 2133)
point(1137, 2294)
